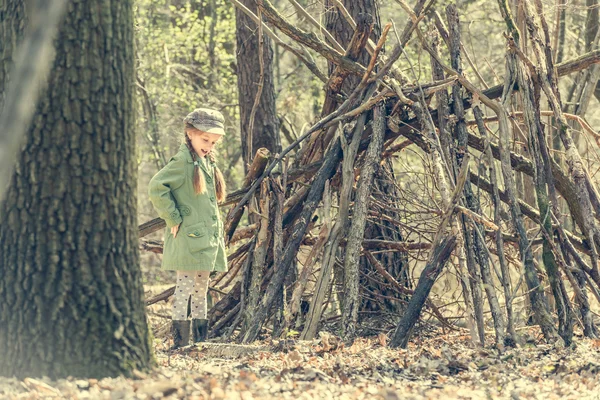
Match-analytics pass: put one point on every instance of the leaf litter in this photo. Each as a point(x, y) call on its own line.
point(436, 365)
point(439, 367)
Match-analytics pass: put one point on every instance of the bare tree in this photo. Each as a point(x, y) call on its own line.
point(259, 124)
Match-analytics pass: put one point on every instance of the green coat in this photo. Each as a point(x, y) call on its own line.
point(199, 245)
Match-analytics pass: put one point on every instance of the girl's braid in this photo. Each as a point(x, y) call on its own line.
point(211, 157)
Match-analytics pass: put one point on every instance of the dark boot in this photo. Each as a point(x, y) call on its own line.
point(181, 333)
point(199, 330)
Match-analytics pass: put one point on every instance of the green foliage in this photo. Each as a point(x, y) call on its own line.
point(185, 60)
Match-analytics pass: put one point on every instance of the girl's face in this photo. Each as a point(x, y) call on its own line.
point(203, 142)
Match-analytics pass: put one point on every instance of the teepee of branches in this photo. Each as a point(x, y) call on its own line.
point(311, 259)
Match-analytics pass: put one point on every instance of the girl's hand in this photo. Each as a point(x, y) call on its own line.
point(174, 230)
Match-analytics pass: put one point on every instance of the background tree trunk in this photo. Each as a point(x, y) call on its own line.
point(71, 293)
point(342, 31)
point(384, 185)
point(265, 131)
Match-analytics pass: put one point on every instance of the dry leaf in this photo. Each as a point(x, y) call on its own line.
point(34, 384)
point(383, 339)
point(294, 356)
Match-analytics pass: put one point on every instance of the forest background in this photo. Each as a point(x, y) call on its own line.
point(190, 54)
point(186, 58)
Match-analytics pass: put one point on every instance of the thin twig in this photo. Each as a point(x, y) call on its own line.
point(259, 90)
point(308, 62)
point(320, 27)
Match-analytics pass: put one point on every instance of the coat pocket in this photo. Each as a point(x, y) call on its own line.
point(198, 237)
point(184, 210)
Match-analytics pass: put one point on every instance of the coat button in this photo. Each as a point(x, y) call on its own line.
point(208, 179)
point(212, 198)
point(214, 217)
point(216, 235)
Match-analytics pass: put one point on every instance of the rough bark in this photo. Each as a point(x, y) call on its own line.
point(355, 44)
point(518, 71)
point(341, 18)
point(71, 291)
point(443, 104)
point(340, 81)
point(300, 285)
point(342, 31)
point(536, 295)
point(337, 232)
point(32, 61)
point(265, 127)
point(259, 163)
point(13, 19)
point(544, 190)
point(581, 177)
point(300, 54)
point(255, 271)
point(351, 302)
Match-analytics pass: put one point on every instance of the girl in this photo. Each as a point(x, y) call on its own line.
point(185, 194)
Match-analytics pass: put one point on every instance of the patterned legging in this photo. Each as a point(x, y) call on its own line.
point(194, 284)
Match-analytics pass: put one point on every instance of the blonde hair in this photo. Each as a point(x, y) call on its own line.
point(199, 181)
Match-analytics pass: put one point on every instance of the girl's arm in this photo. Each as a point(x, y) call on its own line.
point(171, 177)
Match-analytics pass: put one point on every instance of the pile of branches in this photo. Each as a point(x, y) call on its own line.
point(314, 207)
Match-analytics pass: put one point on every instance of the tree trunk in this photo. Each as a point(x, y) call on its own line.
point(13, 20)
point(71, 293)
point(265, 127)
point(32, 63)
point(342, 31)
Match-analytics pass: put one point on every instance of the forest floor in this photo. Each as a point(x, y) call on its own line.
point(436, 365)
point(443, 367)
